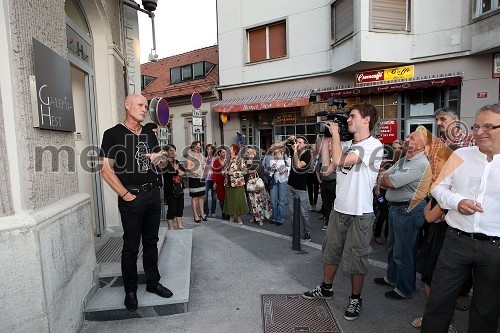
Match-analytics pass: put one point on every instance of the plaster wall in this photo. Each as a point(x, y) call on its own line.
point(5, 196)
point(49, 259)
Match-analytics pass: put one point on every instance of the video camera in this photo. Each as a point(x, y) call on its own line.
point(338, 116)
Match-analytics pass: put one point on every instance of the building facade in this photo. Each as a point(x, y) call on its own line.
point(175, 79)
point(398, 55)
point(53, 203)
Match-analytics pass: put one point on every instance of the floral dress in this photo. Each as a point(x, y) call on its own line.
point(260, 202)
point(235, 202)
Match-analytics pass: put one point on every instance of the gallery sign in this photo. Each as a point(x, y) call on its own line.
point(132, 50)
point(388, 74)
point(51, 94)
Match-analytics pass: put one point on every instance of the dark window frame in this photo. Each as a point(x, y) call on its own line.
point(207, 68)
point(144, 79)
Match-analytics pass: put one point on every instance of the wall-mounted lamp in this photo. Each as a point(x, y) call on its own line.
point(149, 8)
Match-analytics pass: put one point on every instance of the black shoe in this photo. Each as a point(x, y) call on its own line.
point(272, 222)
point(307, 236)
point(279, 224)
point(381, 281)
point(160, 291)
point(131, 302)
point(394, 295)
point(321, 217)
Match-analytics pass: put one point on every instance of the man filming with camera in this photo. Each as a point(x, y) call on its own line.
point(356, 163)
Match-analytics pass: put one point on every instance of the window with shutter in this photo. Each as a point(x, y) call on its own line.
point(267, 42)
point(390, 14)
point(342, 19)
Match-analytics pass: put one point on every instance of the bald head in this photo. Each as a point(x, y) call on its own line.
point(136, 107)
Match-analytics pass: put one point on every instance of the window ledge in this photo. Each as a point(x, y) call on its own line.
point(266, 60)
point(485, 16)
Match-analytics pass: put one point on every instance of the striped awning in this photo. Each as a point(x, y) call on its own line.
point(264, 102)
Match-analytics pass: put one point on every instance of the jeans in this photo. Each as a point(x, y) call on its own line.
point(403, 230)
point(304, 209)
point(278, 201)
point(140, 217)
point(209, 187)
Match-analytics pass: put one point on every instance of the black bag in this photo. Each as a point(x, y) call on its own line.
point(177, 188)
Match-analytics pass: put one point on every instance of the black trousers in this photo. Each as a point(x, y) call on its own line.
point(140, 218)
point(382, 219)
point(312, 188)
point(460, 257)
point(328, 195)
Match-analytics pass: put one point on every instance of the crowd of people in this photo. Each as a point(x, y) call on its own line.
point(437, 196)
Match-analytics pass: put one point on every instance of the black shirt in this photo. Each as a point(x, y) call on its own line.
point(298, 176)
point(127, 149)
point(171, 178)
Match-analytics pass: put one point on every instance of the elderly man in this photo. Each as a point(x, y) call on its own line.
point(472, 243)
point(128, 166)
point(407, 183)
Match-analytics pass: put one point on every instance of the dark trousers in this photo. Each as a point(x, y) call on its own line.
point(383, 214)
point(312, 188)
point(460, 257)
point(140, 218)
point(328, 194)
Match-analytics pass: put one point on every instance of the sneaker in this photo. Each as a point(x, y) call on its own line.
point(307, 236)
point(354, 308)
point(381, 281)
point(318, 292)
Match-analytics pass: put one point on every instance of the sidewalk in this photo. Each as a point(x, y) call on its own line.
point(233, 265)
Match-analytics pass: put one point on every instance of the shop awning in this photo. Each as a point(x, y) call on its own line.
point(263, 102)
point(377, 88)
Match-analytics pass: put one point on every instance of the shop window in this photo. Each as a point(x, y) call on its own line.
point(386, 104)
point(75, 14)
point(267, 42)
point(423, 102)
point(483, 7)
point(342, 15)
point(390, 15)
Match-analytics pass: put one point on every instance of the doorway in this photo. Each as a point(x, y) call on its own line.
point(265, 138)
point(412, 124)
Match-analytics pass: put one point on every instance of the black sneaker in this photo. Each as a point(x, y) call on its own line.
point(354, 308)
point(318, 292)
point(307, 236)
point(381, 281)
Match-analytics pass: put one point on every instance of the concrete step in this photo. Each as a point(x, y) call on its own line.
point(113, 268)
point(174, 265)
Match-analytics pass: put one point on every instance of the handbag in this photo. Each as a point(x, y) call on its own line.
point(255, 184)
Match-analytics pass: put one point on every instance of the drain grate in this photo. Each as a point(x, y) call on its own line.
point(112, 251)
point(293, 314)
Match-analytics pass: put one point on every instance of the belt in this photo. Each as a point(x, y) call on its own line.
point(402, 203)
point(134, 189)
point(476, 236)
point(328, 181)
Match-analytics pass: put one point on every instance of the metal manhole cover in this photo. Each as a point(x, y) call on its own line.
point(294, 314)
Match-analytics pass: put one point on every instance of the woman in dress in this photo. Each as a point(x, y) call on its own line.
point(209, 206)
point(235, 203)
point(220, 161)
point(172, 186)
point(195, 165)
point(260, 204)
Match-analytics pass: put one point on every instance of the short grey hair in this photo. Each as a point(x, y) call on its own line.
point(447, 110)
point(490, 107)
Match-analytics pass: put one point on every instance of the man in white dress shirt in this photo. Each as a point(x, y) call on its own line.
point(472, 244)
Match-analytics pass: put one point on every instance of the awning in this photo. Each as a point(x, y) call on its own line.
point(378, 88)
point(263, 102)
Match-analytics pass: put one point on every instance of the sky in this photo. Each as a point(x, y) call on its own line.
point(180, 26)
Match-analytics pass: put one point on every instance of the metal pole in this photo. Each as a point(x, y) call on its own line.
point(152, 15)
point(296, 224)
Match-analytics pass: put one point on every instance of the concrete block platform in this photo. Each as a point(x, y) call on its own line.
point(174, 265)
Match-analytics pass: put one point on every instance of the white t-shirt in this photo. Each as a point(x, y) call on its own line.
point(355, 184)
point(279, 165)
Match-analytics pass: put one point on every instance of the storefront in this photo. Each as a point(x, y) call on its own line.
point(266, 119)
point(403, 101)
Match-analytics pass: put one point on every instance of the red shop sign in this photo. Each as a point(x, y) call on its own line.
point(388, 131)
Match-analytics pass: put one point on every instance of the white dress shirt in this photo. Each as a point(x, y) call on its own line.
point(452, 186)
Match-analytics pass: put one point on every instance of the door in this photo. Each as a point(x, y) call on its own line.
point(86, 144)
point(265, 138)
point(412, 124)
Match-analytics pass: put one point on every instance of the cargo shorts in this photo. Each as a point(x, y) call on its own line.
point(348, 238)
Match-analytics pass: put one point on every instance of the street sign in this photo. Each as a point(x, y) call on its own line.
point(197, 129)
point(159, 111)
point(196, 113)
point(196, 100)
point(197, 121)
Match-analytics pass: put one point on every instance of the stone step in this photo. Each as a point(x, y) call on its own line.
point(174, 265)
point(113, 268)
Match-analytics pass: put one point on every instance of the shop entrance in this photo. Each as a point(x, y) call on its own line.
point(265, 138)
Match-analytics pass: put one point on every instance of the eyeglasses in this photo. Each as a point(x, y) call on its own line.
point(485, 127)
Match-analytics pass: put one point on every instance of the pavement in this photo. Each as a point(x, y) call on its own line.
point(233, 265)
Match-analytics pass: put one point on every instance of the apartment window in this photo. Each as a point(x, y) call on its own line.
point(196, 71)
point(486, 6)
point(390, 14)
point(146, 81)
point(267, 42)
point(342, 19)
